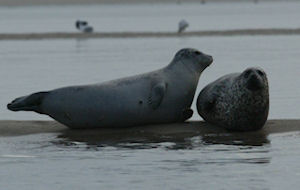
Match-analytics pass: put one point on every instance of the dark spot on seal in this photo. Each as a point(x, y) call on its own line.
point(140, 102)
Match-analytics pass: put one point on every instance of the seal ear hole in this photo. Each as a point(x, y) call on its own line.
point(140, 102)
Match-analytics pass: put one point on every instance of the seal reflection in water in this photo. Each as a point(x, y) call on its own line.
point(238, 101)
point(161, 96)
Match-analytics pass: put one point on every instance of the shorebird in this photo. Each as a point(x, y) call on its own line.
point(182, 25)
point(83, 26)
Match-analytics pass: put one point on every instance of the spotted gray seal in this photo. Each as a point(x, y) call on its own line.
point(161, 96)
point(238, 101)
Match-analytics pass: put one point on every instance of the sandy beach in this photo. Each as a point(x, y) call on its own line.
point(70, 35)
point(193, 128)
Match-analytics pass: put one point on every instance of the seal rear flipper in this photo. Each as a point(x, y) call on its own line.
point(157, 95)
point(27, 103)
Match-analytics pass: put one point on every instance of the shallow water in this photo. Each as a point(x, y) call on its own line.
point(151, 17)
point(50, 161)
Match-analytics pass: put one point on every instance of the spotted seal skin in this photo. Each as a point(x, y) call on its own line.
point(161, 96)
point(238, 101)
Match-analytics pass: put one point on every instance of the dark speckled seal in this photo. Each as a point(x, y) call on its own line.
point(237, 101)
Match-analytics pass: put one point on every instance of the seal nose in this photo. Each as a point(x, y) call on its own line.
point(253, 77)
point(254, 82)
point(209, 59)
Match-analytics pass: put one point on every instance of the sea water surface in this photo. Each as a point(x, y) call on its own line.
point(155, 17)
point(46, 161)
point(209, 161)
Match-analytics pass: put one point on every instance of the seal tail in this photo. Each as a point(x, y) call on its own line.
point(28, 103)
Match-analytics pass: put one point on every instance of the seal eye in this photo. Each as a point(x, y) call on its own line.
point(247, 73)
point(260, 73)
point(197, 52)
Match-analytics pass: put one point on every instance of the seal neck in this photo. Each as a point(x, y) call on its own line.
point(182, 66)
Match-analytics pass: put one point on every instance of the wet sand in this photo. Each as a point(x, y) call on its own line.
point(66, 35)
point(193, 128)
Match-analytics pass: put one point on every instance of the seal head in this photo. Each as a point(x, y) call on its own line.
point(254, 78)
point(193, 59)
point(238, 101)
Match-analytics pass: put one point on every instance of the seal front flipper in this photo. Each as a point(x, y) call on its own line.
point(186, 114)
point(27, 103)
point(157, 94)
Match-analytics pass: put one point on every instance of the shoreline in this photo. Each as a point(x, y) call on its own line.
point(207, 33)
point(10, 128)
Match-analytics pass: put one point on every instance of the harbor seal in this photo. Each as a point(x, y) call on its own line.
point(161, 96)
point(238, 101)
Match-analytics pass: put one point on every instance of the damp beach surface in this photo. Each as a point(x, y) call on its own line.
point(179, 156)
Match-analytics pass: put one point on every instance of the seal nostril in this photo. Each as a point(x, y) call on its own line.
point(253, 77)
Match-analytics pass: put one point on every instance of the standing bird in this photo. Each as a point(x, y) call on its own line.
point(182, 25)
point(83, 26)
